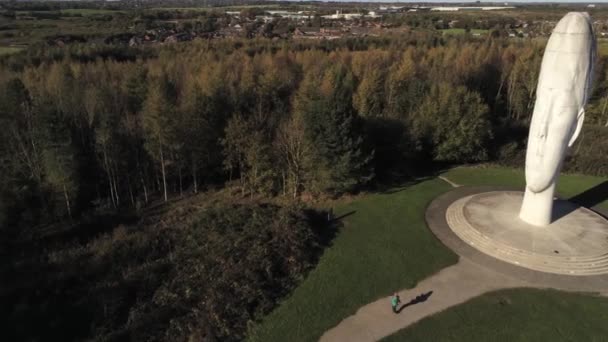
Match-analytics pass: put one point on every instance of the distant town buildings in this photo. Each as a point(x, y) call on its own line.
point(285, 24)
point(469, 8)
point(345, 16)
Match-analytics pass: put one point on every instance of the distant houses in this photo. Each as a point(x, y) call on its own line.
point(469, 8)
point(317, 33)
point(284, 24)
point(345, 16)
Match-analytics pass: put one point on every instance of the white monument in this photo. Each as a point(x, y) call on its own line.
point(531, 229)
point(564, 86)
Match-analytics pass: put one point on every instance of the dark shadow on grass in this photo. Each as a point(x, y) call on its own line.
point(344, 215)
point(592, 197)
point(419, 299)
point(588, 199)
point(325, 229)
point(88, 228)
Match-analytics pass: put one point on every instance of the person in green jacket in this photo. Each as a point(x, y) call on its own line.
point(395, 301)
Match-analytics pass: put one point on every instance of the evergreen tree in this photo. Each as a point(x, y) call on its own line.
point(200, 127)
point(21, 133)
point(339, 161)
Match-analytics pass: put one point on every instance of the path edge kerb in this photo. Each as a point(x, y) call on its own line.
point(435, 217)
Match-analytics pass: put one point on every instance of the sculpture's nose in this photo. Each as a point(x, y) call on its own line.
point(574, 23)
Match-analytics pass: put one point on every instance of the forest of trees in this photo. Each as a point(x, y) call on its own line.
point(96, 139)
point(272, 118)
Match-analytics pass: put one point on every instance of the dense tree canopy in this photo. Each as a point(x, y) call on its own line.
point(94, 135)
point(273, 117)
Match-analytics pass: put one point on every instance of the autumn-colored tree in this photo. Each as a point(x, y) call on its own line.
point(404, 88)
point(293, 151)
point(248, 152)
point(310, 113)
point(522, 84)
point(159, 109)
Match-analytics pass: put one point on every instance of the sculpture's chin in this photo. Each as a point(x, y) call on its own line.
point(538, 182)
point(537, 189)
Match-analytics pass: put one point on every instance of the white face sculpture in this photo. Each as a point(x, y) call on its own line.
point(563, 89)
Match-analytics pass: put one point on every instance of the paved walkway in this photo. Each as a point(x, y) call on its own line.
point(451, 286)
point(474, 275)
point(447, 180)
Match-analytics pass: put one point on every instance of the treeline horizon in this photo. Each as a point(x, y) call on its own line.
point(271, 118)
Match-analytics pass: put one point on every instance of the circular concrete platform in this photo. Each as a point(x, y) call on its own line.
point(436, 218)
point(576, 243)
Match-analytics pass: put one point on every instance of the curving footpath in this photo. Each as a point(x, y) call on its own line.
point(451, 286)
point(474, 275)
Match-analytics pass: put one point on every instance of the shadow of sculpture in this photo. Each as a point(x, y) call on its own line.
point(588, 199)
point(419, 299)
point(561, 209)
point(344, 215)
point(592, 197)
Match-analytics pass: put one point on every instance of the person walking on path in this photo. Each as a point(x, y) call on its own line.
point(395, 301)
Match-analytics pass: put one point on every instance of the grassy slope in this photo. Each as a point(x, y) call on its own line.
point(516, 315)
point(385, 246)
point(567, 185)
point(602, 47)
point(377, 251)
point(521, 314)
point(89, 11)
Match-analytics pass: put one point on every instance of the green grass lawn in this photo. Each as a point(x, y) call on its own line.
point(458, 31)
point(602, 47)
point(567, 185)
point(223, 8)
point(385, 245)
point(28, 32)
point(89, 11)
point(7, 50)
point(379, 250)
point(516, 315)
point(194, 9)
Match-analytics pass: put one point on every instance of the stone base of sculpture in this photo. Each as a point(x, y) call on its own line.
point(575, 243)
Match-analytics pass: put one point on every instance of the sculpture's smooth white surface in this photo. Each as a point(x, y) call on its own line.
point(564, 86)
